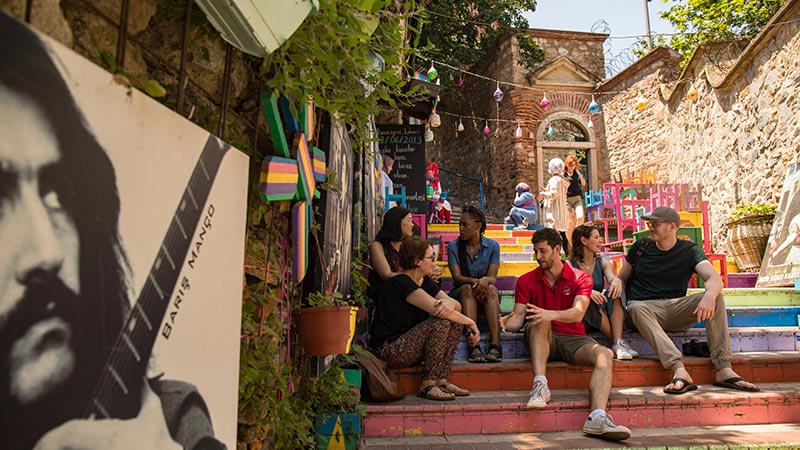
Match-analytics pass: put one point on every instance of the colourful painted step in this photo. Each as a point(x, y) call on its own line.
point(758, 296)
point(717, 437)
point(499, 412)
point(746, 339)
point(516, 256)
point(515, 374)
point(507, 268)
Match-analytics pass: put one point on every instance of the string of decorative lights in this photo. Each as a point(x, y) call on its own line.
point(520, 86)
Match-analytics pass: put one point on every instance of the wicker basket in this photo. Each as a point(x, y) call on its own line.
point(747, 240)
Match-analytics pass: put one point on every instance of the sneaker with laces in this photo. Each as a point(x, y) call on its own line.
point(624, 344)
point(621, 352)
point(540, 395)
point(604, 427)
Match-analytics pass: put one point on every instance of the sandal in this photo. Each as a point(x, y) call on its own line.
point(450, 387)
point(476, 354)
point(495, 354)
point(434, 392)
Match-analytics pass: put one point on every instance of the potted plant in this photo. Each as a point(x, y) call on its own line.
point(327, 325)
point(749, 229)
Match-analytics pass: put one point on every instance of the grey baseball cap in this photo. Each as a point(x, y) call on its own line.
point(664, 213)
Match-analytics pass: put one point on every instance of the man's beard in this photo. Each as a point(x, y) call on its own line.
point(22, 424)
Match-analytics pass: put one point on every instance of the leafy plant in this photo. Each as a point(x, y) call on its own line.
point(333, 58)
point(753, 209)
point(698, 21)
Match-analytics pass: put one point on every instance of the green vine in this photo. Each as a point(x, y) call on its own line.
point(334, 58)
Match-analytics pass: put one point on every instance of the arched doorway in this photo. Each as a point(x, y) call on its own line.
point(562, 133)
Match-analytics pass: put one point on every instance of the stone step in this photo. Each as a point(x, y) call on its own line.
point(515, 374)
point(498, 412)
point(719, 437)
point(743, 339)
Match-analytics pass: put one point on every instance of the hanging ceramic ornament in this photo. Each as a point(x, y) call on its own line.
point(545, 103)
point(460, 125)
point(460, 82)
point(518, 132)
point(590, 125)
point(594, 108)
point(428, 135)
point(631, 116)
point(641, 103)
point(498, 94)
point(435, 120)
point(550, 131)
point(432, 73)
point(692, 93)
point(486, 129)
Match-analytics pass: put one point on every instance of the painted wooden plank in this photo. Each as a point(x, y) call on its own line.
point(301, 224)
point(278, 179)
point(269, 104)
point(305, 170)
point(289, 120)
point(319, 164)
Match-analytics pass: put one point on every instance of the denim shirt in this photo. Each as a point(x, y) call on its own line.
point(488, 254)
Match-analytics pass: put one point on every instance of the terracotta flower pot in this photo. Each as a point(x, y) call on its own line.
point(326, 330)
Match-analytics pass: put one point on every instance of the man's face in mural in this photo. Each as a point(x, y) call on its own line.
point(40, 330)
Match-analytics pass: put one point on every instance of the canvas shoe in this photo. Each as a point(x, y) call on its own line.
point(540, 395)
point(621, 352)
point(604, 427)
point(623, 343)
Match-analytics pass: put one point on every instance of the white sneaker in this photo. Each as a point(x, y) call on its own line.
point(621, 352)
point(540, 395)
point(604, 427)
point(626, 346)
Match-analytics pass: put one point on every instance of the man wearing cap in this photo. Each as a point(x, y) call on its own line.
point(656, 272)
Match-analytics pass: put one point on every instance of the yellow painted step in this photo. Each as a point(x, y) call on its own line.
point(443, 227)
point(507, 269)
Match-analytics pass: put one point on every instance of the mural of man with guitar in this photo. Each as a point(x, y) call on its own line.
point(73, 348)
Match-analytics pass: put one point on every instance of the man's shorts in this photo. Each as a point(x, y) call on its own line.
point(562, 346)
point(574, 202)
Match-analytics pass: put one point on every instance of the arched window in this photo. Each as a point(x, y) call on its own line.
point(565, 130)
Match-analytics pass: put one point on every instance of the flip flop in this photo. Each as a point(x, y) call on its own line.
point(686, 387)
point(730, 383)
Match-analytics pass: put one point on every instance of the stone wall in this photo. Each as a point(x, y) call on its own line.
point(153, 52)
point(736, 139)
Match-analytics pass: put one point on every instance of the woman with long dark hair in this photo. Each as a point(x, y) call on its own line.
point(606, 311)
point(384, 253)
point(474, 261)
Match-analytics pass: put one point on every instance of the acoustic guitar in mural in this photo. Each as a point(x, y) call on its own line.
point(117, 392)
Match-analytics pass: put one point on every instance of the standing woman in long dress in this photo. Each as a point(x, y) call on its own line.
point(554, 196)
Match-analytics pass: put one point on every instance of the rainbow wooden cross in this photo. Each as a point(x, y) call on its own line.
point(283, 178)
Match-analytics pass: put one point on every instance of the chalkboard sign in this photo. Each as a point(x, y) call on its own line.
point(406, 145)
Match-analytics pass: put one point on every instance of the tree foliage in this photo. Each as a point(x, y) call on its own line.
point(699, 21)
point(455, 31)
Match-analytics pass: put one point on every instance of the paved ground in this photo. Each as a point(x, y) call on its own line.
point(777, 436)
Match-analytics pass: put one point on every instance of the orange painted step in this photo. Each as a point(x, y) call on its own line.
point(515, 374)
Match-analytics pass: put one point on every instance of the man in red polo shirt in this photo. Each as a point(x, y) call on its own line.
point(550, 302)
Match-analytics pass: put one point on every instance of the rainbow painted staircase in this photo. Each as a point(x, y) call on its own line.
point(764, 336)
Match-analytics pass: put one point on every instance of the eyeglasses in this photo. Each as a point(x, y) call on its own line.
point(432, 257)
point(654, 223)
